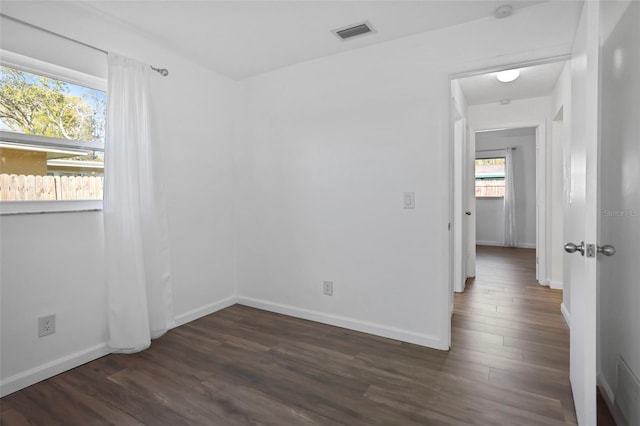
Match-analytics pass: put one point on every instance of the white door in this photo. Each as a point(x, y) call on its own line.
point(619, 335)
point(581, 212)
point(460, 228)
point(470, 190)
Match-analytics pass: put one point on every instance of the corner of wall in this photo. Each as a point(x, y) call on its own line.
point(348, 323)
point(205, 310)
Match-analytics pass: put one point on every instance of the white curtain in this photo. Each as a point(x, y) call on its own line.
point(137, 258)
point(509, 201)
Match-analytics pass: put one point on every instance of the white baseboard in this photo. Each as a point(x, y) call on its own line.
point(205, 310)
point(609, 399)
point(50, 369)
point(556, 285)
point(607, 393)
point(501, 244)
point(490, 243)
point(526, 245)
point(349, 323)
point(565, 314)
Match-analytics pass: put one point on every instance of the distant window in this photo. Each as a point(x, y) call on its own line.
point(490, 177)
point(51, 134)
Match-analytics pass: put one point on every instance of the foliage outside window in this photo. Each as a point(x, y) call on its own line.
point(51, 138)
point(490, 173)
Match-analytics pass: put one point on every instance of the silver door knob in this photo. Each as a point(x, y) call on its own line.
point(468, 213)
point(607, 250)
point(572, 248)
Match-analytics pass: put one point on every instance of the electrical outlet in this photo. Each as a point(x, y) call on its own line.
point(327, 288)
point(46, 325)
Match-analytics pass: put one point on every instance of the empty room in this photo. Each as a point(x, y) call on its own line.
point(267, 212)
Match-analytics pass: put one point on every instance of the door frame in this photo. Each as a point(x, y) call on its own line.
point(542, 231)
point(457, 199)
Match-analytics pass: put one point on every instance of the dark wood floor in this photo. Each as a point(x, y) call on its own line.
point(508, 366)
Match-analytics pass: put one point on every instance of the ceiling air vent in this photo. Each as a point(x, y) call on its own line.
point(354, 31)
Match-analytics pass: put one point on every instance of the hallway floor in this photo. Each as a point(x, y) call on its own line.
point(509, 323)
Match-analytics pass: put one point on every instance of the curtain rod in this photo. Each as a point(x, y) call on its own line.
point(162, 71)
point(496, 149)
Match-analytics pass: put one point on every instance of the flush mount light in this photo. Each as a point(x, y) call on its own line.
point(505, 101)
point(508, 75)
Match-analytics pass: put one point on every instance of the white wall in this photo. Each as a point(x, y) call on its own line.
point(50, 264)
point(326, 150)
point(490, 211)
point(53, 263)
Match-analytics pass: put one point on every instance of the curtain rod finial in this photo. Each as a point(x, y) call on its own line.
point(162, 71)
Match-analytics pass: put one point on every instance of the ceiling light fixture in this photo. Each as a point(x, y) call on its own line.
point(505, 101)
point(508, 75)
point(503, 11)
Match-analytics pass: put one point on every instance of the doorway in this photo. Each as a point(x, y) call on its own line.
point(493, 113)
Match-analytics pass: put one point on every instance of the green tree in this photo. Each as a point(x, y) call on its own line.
point(42, 106)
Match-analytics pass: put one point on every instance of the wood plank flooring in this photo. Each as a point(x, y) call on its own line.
point(241, 366)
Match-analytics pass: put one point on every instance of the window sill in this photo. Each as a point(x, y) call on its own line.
point(8, 208)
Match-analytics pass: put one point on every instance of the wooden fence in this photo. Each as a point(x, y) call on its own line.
point(489, 187)
point(27, 188)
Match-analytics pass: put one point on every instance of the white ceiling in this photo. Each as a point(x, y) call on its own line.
point(243, 38)
point(535, 81)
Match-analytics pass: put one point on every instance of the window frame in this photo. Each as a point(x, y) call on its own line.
point(489, 157)
point(57, 72)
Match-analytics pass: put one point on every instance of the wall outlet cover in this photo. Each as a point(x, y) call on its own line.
point(46, 325)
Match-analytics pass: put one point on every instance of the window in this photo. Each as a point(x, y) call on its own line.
point(52, 126)
point(490, 177)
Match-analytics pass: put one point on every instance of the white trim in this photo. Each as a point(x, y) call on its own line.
point(501, 244)
point(565, 314)
point(50, 369)
point(490, 243)
point(349, 323)
point(46, 69)
point(542, 60)
point(526, 245)
point(78, 147)
point(202, 311)
point(609, 398)
point(540, 202)
point(53, 206)
point(556, 285)
point(607, 393)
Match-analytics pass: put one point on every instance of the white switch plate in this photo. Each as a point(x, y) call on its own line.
point(409, 200)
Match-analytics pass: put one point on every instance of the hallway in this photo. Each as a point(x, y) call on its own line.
point(509, 323)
